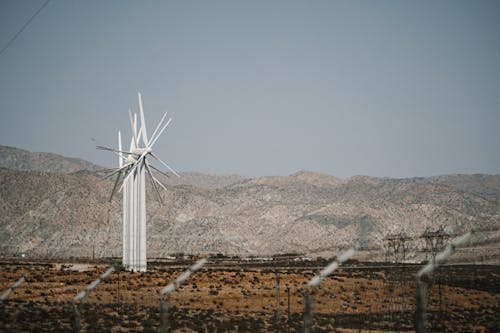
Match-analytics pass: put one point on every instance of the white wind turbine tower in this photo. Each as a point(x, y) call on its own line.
point(133, 166)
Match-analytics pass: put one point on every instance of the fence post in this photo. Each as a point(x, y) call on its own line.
point(164, 314)
point(170, 288)
point(9, 291)
point(77, 301)
point(307, 311)
point(288, 311)
point(421, 306)
point(278, 315)
point(421, 296)
point(77, 313)
point(316, 281)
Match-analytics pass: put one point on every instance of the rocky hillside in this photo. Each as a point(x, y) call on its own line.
point(20, 159)
point(487, 186)
point(61, 207)
point(55, 214)
point(70, 214)
point(24, 160)
point(197, 179)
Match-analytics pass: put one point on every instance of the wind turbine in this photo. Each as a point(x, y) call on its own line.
point(133, 166)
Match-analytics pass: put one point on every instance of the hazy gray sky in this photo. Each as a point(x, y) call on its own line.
point(381, 88)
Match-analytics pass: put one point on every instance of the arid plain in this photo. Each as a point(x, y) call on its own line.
point(241, 296)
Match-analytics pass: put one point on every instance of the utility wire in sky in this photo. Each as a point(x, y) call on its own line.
point(23, 27)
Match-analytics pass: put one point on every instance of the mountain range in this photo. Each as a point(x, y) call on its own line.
point(55, 206)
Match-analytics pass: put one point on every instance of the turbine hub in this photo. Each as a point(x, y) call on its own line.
point(139, 151)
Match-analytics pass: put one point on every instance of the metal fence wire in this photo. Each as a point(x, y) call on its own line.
point(260, 296)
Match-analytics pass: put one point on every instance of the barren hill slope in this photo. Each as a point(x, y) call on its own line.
point(487, 186)
point(45, 213)
point(66, 211)
point(68, 215)
point(197, 179)
point(24, 160)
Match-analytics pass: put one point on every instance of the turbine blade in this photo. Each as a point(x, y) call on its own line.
point(136, 137)
point(143, 122)
point(106, 170)
point(158, 126)
point(156, 179)
point(120, 160)
point(104, 148)
point(115, 186)
point(129, 172)
point(118, 151)
point(156, 169)
point(165, 126)
point(111, 174)
point(159, 183)
point(117, 171)
point(133, 126)
point(132, 170)
point(166, 165)
point(132, 144)
point(153, 182)
point(139, 134)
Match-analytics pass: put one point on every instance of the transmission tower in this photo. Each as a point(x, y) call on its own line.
point(435, 241)
point(396, 247)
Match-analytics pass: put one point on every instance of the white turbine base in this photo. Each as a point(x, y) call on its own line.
point(134, 221)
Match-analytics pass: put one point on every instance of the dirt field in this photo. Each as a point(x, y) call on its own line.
point(241, 296)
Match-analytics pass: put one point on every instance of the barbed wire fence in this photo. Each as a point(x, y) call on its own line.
point(78, 300)
point(9, 291)
point(166, 292)
point(315, 283)
point(237, 297)
point(422, 284)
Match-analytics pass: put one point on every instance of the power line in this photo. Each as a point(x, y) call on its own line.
point(23, 27)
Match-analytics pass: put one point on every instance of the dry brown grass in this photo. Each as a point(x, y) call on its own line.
point(235, 299)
